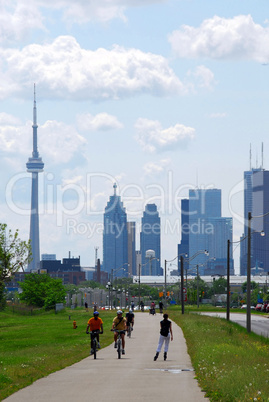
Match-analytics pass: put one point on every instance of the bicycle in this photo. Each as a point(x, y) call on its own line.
point(119, 341)
point(94, 342)
point(129, 330)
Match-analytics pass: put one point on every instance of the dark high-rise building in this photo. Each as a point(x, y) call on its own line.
point(131, 248)
point(183, 247)
point(260, 244)
point(203, 228)
point(150, 239)
point(115, 237)
point(248, 207)
point(35, 166)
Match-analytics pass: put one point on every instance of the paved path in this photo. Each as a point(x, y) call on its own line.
point(135, 377)
point(259, 323)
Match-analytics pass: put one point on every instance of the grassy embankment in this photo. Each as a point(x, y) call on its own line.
point(230, 364)
point(31, 347)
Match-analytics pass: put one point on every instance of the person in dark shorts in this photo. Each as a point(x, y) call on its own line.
point(166, 334)
point(130, 319)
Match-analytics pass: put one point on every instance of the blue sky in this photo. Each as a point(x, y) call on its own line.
point(158, 96)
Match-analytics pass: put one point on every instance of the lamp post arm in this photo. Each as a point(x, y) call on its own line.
point(182, 283)
point(165, 292)
point(249, 275)
point(228, 281)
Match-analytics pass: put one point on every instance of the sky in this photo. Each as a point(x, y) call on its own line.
point(157, 96)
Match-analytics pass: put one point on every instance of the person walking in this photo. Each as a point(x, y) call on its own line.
point(166, 334)
point(161, 306)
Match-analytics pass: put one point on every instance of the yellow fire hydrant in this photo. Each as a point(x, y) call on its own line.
point(74, 324)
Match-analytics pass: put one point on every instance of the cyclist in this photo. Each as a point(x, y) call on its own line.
point(95, 323)
point(152, 307)
point(119, 323)
point(130, 319)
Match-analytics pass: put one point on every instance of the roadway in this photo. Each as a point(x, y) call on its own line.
point(135, 377)
point(259, 323)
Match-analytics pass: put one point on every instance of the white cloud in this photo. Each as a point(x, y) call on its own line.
point(152, 136)
point(81, 11)
point(64, 70)
point(238, 38)
point(58, 141)
point(17, 18)
point(204, 77)
point(152, 168)
point(8, 119)
point(99, 122)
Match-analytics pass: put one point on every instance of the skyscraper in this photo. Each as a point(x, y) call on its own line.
point(35, 166)
point(150, 239)
point(115, 237)
point(203, 228)
point(260, 244)
point(248, 207)
point(131, 248)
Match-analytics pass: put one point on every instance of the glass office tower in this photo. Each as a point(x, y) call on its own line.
point(150, 239)
point(115, 237)
point(203, 228)
point(248, 207)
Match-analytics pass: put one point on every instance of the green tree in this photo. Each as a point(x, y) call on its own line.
point(253, 284)
point(42, 291)
point(14, 254)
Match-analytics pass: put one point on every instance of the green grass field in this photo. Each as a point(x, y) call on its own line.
point(31, 347)
point(230, 364)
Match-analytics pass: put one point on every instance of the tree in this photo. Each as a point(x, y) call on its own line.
point(42, 291)
point(14, 254)
point(253, 284)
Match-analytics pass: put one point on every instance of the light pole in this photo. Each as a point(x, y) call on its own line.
point(114, 271)
point(182, 273)
point(228, 281)
point(249, 267)
point(108, 286)
point(139, 276)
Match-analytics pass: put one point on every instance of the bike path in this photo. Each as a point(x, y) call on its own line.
point(135, 377)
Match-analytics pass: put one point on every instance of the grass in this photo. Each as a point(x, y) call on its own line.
point(31, 347)
point(230, 364)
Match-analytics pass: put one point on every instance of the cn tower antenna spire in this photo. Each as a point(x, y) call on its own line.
point(34, 166)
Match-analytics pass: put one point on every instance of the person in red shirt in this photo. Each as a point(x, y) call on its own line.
point(95, 324)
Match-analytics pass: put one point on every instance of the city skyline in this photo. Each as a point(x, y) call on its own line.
point(159, 96)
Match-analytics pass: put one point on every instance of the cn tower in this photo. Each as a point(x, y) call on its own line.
point(34, 165)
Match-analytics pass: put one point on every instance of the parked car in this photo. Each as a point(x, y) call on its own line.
point(258, 307)
point(264, 307)
point(244, 306)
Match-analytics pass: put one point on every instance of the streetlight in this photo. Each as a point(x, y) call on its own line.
point(139, 276)
point(182, 273)
point(249, 267)
point(108, 286)
point(113, 271)
point(165, 273)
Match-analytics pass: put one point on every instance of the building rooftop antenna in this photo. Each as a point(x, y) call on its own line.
point(250, 156)
point(96, 254)
point(262, 157)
